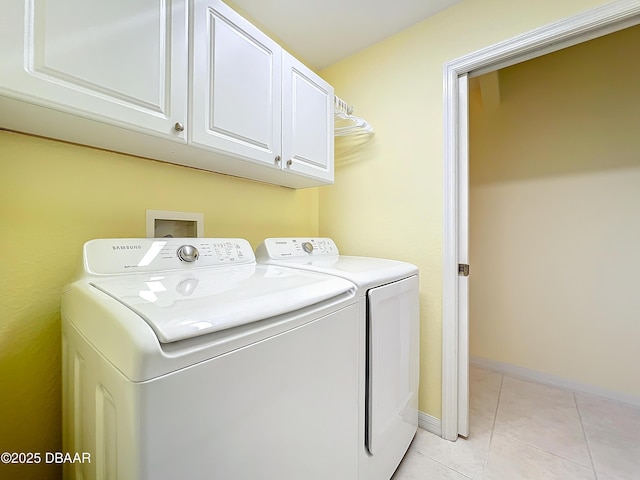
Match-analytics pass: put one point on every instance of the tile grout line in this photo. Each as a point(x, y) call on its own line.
point(493, 426)
point(448, 467)
point(535, 447)
point(584, 433)
point(542, 450)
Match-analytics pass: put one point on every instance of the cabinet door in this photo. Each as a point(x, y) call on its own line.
point(120, 62)
point(235, 77)
point(307, 121)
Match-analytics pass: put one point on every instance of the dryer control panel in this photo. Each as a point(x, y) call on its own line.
point(127, 255)
point(302, 247)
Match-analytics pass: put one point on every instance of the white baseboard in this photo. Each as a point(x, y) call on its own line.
point(547, 379)
point(430, 423)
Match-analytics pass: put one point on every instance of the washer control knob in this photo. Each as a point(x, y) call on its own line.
point(307, 247)
point(188, 253)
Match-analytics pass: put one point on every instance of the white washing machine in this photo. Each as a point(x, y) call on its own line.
point(183, 358)
point(389, 309)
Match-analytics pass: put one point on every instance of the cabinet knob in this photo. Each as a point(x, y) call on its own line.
point(278, 159)
point(178, 127)
point(289, 162)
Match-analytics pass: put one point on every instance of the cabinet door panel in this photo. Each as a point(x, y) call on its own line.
point(67, 41)
point(121, 62)
point(236, 73)
point(307, 121)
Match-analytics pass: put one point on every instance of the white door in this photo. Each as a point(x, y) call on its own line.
point(235, 82)
point(307, 121)
point(120, 62)
point(463, 256)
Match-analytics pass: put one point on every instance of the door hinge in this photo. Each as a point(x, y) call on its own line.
point(463, 269)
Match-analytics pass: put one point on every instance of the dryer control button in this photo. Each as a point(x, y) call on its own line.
point(188, 253)
point(307, 247)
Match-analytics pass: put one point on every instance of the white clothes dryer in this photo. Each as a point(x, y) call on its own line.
point(389, 310)
point(183, 358)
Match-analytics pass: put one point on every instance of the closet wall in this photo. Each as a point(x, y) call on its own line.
point(555, 216)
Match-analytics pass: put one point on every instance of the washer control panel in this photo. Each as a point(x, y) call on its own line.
point(278, 248)
point(126, 255)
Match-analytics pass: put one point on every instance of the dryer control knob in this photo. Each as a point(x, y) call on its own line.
point(188, 253)
point(307, 247)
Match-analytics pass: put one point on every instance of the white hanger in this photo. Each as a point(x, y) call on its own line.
point(355, 125)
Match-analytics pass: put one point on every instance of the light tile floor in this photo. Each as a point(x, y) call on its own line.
point(525, 430)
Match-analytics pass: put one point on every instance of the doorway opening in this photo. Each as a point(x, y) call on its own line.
point(578, 29)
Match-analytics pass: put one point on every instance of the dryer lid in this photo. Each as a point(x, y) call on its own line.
point(184, 304)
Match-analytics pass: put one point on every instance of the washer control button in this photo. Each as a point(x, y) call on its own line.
point(188, 253)
point(307, 247)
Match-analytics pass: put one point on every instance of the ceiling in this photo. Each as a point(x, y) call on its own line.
point(321, 32)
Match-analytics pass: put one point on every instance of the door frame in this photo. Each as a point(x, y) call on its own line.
point(577, 29)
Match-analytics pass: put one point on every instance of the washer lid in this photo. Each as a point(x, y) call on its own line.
point(185, 304)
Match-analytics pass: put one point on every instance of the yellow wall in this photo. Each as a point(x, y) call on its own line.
point(555, 222)
point(387, 200)
point(53, 197)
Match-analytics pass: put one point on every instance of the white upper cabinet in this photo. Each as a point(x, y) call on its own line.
point(236, 72)
point(189, 82)
point(121, 62)
point(259, 102)
point(307, 121)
